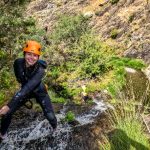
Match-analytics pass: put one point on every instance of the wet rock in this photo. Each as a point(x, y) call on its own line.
point(88, 137)
point(74, 123)
point(102, 95)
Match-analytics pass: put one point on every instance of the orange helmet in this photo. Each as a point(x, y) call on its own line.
point(32, 47)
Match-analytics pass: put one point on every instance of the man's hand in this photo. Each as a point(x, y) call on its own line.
point(4, 110)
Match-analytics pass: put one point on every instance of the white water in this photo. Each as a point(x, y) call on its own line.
point(39, 131)
point(89, 116)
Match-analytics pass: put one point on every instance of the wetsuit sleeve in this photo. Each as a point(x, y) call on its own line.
point(28, 87)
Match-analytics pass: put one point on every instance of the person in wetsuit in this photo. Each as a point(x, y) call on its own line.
point(29, 72)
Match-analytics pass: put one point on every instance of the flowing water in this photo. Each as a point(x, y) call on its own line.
point(39, 135)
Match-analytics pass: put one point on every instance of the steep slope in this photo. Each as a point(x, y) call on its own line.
point(125, 24)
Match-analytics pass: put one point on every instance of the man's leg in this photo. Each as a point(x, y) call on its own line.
point(44, 100)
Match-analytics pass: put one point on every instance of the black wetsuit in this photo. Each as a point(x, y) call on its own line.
point(31, 87)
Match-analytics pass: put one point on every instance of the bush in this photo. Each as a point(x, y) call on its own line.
point(19, 28)
point(5, 78)
point(114, 33)
point(69, 28)
point(90, 54)
point(2, 97)
point(70, 116)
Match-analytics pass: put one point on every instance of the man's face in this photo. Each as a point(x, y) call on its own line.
point(31, 59)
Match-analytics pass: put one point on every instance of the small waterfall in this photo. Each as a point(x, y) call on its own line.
point(88, 117)
point(40, 134)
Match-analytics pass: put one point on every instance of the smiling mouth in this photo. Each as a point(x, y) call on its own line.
point(31, 62)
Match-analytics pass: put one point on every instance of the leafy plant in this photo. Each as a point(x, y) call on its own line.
point(69, 28)
point(2, 97)
point(70, 116)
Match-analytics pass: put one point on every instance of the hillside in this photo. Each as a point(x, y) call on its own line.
point(125, 24)
point(96, 52)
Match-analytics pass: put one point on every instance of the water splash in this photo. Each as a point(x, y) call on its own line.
point(88, 117)
point(38, 131)
point(40, 134)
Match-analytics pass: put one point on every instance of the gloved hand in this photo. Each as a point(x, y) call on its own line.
point(4, 110)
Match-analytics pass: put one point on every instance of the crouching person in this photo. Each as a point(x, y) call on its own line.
point(29, 72)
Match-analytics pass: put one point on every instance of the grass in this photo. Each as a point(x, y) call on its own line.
point(127, 127)
point(128, 134)
point(55, 98)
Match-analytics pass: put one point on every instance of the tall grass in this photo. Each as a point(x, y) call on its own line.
point(128, 130)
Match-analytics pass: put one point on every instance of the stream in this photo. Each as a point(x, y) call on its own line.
point(36, 133)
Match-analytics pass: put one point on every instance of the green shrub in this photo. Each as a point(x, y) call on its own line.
point(55, 72)
point(90, 54)
point(69, 28)
point(58, 100)
point(5, 78)
point(114, 33)
point(77, 52)
point(55, 98)
point(70, 116)
point(19, 29)
point(2, 97)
